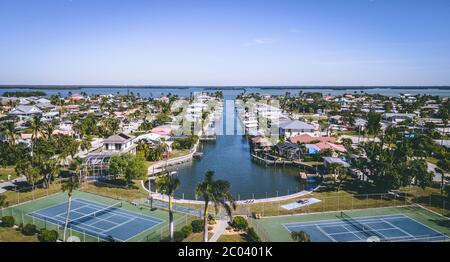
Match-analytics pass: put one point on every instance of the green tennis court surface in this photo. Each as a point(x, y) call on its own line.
point(393, 224)
point(94, 217)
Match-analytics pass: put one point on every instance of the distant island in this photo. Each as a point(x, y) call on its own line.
point(78, 87)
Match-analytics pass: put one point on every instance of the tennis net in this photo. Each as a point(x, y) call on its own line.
point(366, 230)
point(96, 213)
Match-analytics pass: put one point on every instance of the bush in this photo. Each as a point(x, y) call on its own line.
point(178, 236)
point(48, 235)
point(197, 225)
point(211, 220)
point(186, 230)
point(29, 230)
point(8, 221)
point(252, 236)
point(239, 223)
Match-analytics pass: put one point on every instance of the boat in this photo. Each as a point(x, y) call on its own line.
point(198, 155)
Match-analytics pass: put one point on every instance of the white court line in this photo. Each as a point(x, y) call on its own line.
point(119, 225)
point(58, 221)
point(358, 231)
point(95, 231)
point(325, 233)
point(396, 227)
point(134, 214)
point(336, 220)
point(60, 204)
point(105, 219)
point(432, 229)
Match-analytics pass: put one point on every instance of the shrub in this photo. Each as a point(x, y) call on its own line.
point(211, 219)
point(252, 236)
point(197, 225)
point(8, 221)
point(178, 236)
point(186, 230)
point(48, 235)
point(29, 230)
point(239, 223)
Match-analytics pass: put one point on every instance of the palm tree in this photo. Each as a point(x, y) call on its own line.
point(49, 169)
point(69, 187)
point(217, 192)
point(47, 131)
point(9, 131)
point(36, 126)
point(300, 236)
point(86, 143)
point(167, 185)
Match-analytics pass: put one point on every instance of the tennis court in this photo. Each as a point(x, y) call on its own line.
point(109, 223)
point(389, 228)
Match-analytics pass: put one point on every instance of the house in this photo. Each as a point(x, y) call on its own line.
point(120, 143)
point(289, 150)
point(327, 161)
point(45, 106)
point(331, 146)
point(296, 127)
point(49, 116)
point(76, 97)
point(24, 111)
point(308, 139)
point(398, 117)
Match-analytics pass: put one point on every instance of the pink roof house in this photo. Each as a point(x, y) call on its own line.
point(334, 147)
point(164, 131)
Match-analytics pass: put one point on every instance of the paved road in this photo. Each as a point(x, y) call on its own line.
point(437, 176)
point(11, 183)
point(218, 230)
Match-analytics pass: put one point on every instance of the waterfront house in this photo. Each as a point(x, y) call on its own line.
point(289, 150)
point(308, 139)
point(327, 161)
point(296, 127)
point(120, 143)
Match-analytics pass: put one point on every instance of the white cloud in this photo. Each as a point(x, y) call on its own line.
point(260, 41)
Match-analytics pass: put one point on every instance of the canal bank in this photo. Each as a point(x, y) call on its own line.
point(229, 157)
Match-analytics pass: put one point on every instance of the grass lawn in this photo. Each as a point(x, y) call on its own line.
point(177, 153)
point(134, 192)
point(9, 234)
point(13, 198)
point(232, 238)
point(196, 237)
point(5, 171)
point(432, 160)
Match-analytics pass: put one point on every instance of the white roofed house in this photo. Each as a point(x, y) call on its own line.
point(25, 111)
point(98, 160)
point(296, 127)
point(398, 117)
point(120, 143)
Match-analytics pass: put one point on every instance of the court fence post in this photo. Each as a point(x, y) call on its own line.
point(353, 198)
point(381, 200)
point(367, 200)
point(338, 203)
point(443, 207)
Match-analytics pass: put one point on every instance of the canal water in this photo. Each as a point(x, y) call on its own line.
point(229, 157)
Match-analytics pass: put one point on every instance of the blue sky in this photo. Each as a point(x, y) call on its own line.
point(246, 42)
